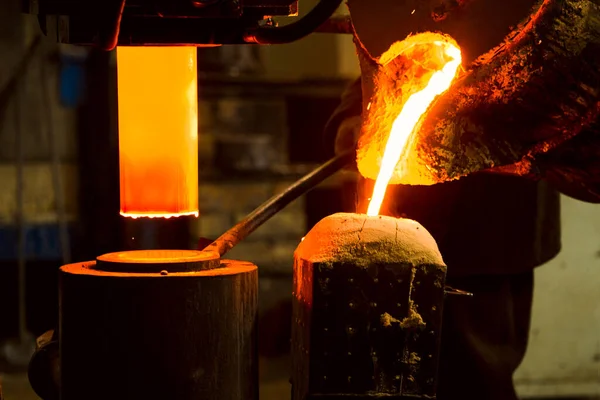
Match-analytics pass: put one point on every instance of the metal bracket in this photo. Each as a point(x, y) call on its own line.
point(448, 290)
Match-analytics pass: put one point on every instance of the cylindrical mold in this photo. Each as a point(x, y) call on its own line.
point(367, 312)
point(158, 131)
point(133, 328)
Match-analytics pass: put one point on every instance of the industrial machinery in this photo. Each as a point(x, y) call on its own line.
point(175, 22)
point(158, 324)
point(182, 324)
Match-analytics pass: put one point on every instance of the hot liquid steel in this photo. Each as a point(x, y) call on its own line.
point(158, 131)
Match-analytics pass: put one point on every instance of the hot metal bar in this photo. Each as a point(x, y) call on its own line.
point(262, 214)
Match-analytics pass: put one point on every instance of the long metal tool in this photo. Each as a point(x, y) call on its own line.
point(262, 214)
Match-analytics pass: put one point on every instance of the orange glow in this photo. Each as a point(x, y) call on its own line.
point(407, 122)
point(158, 131)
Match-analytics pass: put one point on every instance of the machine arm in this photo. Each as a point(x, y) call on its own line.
point(109, 23)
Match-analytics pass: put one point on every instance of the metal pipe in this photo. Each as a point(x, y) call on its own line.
point(265, 211)
point(296, 30)
point(109, 38)
point(57, 180)
point(21, 227)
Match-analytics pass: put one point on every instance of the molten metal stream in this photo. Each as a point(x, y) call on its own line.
point(406, 122)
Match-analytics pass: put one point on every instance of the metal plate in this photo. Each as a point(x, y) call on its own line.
point(362, 337)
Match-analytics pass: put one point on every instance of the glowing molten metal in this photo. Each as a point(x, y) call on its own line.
point(158, 131)
point(406, 123)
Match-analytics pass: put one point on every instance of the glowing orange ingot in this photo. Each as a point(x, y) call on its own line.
point(158, 131)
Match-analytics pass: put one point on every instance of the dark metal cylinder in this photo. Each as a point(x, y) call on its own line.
point(158, 335)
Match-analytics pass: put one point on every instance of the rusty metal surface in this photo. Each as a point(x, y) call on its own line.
point(183, 336)
point(368, 332)
point(477, 25)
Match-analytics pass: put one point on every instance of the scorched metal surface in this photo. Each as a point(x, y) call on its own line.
point(158, 335)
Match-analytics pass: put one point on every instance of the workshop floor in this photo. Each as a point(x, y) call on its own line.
point(274, 383)
point(274, 379)
point(16, 387)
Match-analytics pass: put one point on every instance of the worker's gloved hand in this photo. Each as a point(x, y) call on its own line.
point(347, 137)
point(525, 168)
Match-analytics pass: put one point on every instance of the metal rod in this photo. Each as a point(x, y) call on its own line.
point(57, 181)
point(262, 214)
point(448, 290)
point(296, 30)
point(20, 219)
